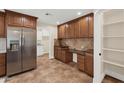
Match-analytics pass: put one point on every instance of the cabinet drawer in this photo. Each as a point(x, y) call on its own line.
point(2, 70)
point(2, 59)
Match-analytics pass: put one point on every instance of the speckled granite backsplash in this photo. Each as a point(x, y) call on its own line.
point(79, 44)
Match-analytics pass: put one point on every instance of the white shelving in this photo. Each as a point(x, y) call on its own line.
point(114, 23)
point(116, 50)
point(113, 63)
point(113, 41)
point(113, 36)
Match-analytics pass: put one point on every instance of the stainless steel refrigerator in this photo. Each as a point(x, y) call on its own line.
point(21, 50)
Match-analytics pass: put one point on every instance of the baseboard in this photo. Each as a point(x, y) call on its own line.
point(114, 74)
point(99, 79)
point(51, 58)
point(2, 79)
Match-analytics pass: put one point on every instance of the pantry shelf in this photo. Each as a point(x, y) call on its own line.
point(113, 63)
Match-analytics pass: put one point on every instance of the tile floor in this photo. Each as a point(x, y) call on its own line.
point(54, 71)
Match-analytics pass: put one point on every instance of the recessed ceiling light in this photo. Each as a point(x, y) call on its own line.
point(57, 23)
point(79, 13)
point(48, 14)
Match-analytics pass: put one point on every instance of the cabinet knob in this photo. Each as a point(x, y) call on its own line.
point(99, 54)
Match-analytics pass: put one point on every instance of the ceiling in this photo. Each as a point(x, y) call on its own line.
point(57, 16)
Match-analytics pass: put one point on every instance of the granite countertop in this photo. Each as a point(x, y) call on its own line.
point(2, 51)
point(77, 51)
point(81, 52)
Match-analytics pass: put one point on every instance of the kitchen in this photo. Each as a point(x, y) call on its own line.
point(76, 43)
point(68, 46)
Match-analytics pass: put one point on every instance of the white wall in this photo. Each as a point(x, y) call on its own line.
point(46, 35)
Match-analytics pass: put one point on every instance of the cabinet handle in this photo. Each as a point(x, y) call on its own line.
point(99, 54)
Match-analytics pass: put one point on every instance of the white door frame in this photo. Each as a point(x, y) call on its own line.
point(98, 65)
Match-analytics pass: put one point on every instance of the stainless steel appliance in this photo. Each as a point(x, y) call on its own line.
point(21, 50)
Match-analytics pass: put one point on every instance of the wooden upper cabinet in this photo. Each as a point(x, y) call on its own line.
point(68, 30)
point(91, 25)
point(72, 29)
point(20, 20)
point(14, 19)
point(29, 22)
point(2, 24)
point(84, 27)
point(77, 28)
point(61, 31)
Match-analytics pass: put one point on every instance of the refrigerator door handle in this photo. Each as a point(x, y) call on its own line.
point(23, 40)
point(20, 41)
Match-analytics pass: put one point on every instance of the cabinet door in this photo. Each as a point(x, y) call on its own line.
point(59, 32)
point(77, 29)
point(2, 59)
point(88, 65)
point(72, 30)
point(29, 22)
point(63, 56)
point(68, 30)
point(60, 36)
point(59, 53)
point(14, 19)
point(80, 62)
point(2, 24)
point(63, 31)
point(84, 27)
point(91, 22)
point(2, 64)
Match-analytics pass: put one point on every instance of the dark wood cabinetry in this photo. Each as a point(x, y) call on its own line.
point(61, 32)
point(72, 30)
point(2, 24)
point(20, 20)
point(85, 63)
point(29, 22)
point(80, 62)
point(91, 25)
point(88, 64)
point(2, 64)
point(62, 54)
point(14, 19)
point(78, 28)
point(84, 27)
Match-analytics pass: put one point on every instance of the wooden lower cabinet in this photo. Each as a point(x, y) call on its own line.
point(2, 65)
point(85, 63)
point(80, 62)
point(88, 68)
point(62, 54)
